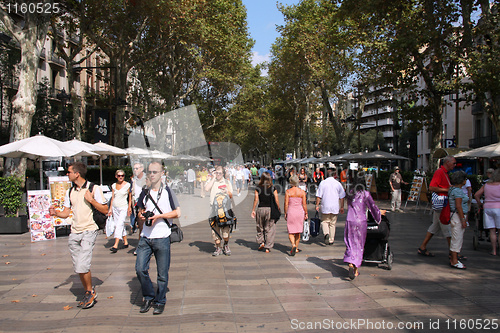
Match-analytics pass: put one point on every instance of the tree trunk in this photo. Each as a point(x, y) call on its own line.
point(24, 103)
point(31, 37)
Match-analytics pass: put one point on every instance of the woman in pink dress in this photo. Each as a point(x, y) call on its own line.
point(358, 201)
point(295, 213)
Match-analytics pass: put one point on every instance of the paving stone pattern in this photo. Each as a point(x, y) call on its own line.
point(251, 291)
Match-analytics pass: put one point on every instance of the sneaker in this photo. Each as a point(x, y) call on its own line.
point(89, 299)
point(227, 251)
point(217, 252)
point(327, 239)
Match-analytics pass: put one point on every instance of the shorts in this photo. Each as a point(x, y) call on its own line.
point(491, 218)
point(437, 226)
point(80, 247)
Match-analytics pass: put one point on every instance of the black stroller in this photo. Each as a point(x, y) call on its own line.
point(377, 249)
point(476, 221)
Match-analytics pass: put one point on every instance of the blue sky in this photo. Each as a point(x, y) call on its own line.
point(263, 16)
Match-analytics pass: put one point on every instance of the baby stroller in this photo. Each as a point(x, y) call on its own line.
point(476, 221)
point(177, 185)
point(377, 249)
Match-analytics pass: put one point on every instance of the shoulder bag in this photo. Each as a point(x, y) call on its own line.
point(275, 209)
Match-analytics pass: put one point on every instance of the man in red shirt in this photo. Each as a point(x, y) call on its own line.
point(440, 184)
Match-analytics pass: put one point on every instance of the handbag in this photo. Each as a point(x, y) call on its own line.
point(110, 226)
point(314, 225)
point(445, 217)
point(275, 209)
point(446, 214)
point(176, 234)
point(306, 232)
point(438, 201)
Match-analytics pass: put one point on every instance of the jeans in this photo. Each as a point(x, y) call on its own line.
point(132, 220)
point(160, 247)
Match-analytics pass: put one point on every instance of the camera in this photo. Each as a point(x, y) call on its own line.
point(147, 215)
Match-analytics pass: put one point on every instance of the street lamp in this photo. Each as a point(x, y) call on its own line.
point(408, 147)
point(63, 97)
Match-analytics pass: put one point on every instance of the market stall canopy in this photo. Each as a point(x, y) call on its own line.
point(40, 146)
point(109, 149)
point(377, 155)
point(443, 152)
point(104, 149)
point(334, 158)
point(490, 151)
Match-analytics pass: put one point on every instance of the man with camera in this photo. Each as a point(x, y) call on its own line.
point(157, 207)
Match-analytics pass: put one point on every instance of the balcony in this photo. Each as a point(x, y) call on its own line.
point(477, 109)
point(54, 59)
point(483, 141)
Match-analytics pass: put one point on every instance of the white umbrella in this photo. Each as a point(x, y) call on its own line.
point(135, 151)
point(109, 149)
point(104, 149)
point(40, 146)
point(489, 151)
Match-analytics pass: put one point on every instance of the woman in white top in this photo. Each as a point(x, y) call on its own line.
point(121, 204)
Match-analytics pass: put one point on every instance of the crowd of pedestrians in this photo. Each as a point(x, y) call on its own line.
point(152, 205)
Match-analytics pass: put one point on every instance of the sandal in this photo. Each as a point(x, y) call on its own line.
point(261, 247)
point(267, 250)
point(351, 272)
point(459, 257)
point(458, 265)
point(293, 251)
point(425, 253)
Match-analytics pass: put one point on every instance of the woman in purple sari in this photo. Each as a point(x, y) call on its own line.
point(358, 201)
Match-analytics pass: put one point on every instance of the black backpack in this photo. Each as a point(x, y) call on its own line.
point(99, 218)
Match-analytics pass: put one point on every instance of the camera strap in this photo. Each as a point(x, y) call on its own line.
point(148, 196)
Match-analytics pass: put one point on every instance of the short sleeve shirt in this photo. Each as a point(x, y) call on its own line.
point(440, 179)
point(83, 216)
point(330, 191)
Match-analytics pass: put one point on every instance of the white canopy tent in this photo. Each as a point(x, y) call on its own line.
point(42, 147)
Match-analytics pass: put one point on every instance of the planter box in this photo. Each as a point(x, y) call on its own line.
point(14, 225)
point(381, 196)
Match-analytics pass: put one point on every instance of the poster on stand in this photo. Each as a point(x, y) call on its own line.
point(41, 223)
point(370, 184)
point(58, 188)
point(416, 187)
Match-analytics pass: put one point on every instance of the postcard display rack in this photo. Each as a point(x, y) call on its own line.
point(418, 188)
point(370, 184)
point(42, 225)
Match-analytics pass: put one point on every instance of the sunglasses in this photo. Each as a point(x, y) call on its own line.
point(154, 172)
point(120, 175)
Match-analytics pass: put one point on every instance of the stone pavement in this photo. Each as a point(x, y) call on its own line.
point(251, 291)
